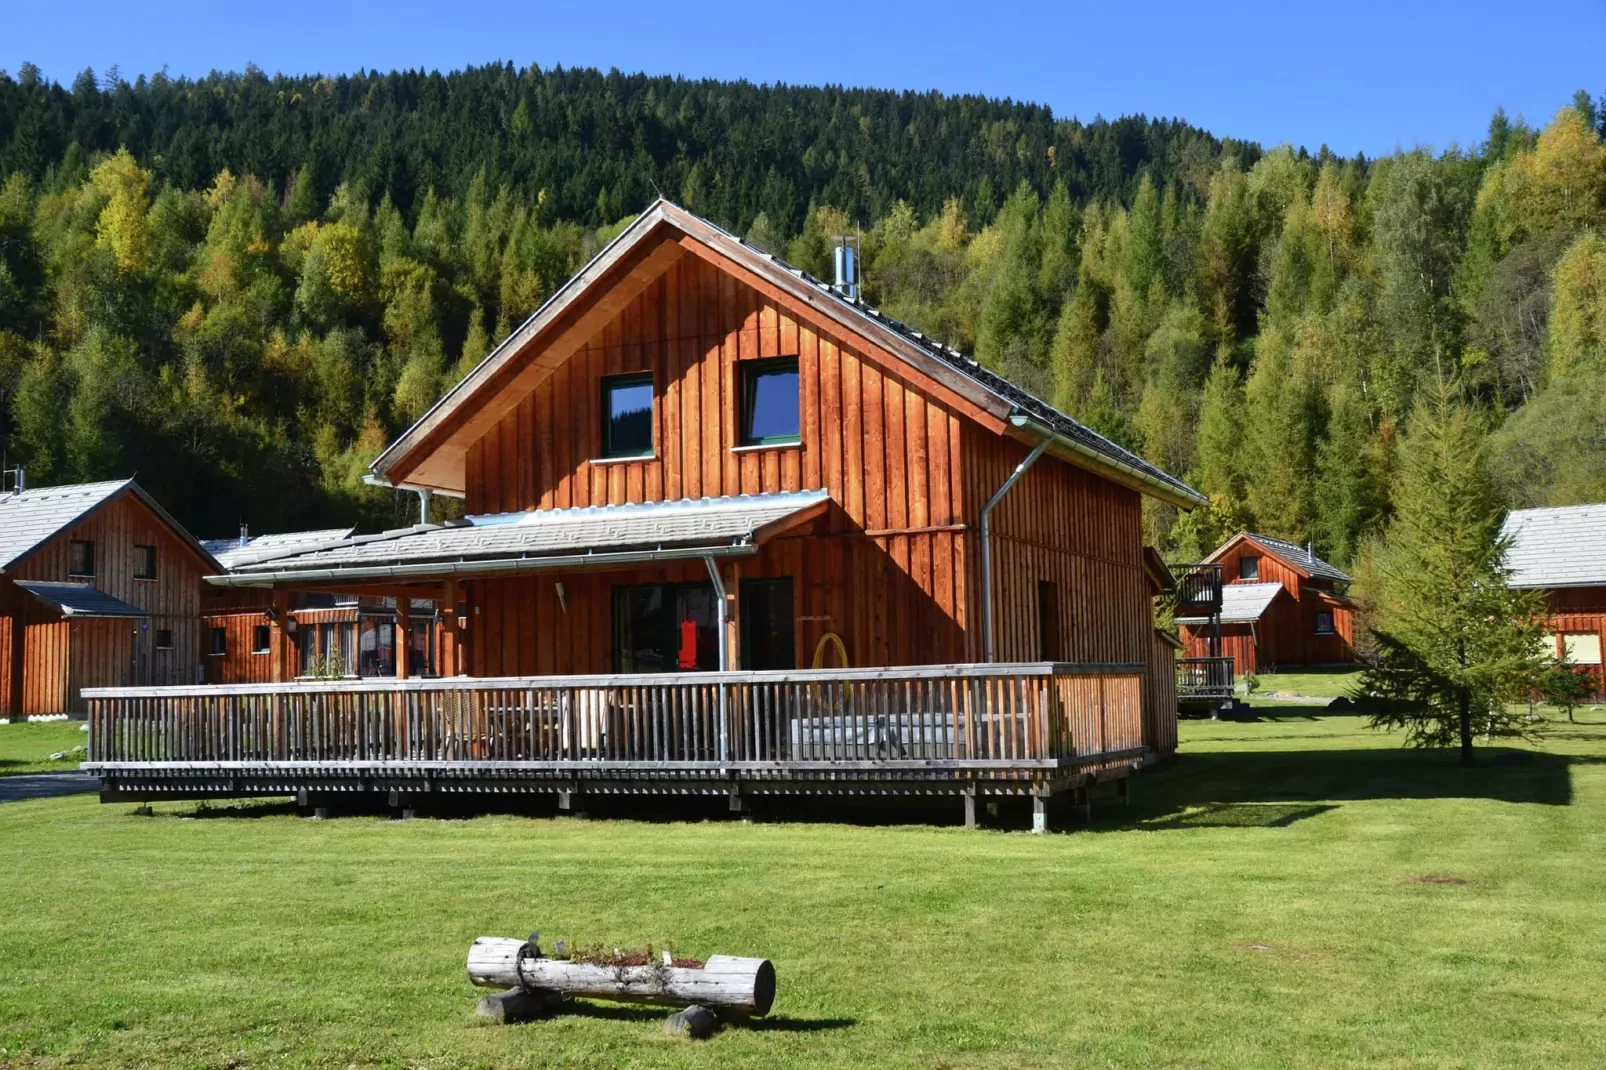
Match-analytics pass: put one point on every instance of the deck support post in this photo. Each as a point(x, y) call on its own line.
point(403, 634)
point(567, 797)
point(1123, 789)
point(970, 806)
point(1039, 812)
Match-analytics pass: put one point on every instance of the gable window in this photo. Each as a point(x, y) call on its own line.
point(1249, 567)
point(770, 402)
point(220, 642)
point(144, 562)
point(1324, 623)
point(627, 415)
point(164, 639)
point(80, 558)
point(261, 640)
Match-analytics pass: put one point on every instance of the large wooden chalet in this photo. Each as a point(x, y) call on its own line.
point(727, 529)
point(1562, 553)
point(98, 586)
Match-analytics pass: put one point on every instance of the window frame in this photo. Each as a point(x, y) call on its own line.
point(748, 371)
point(608, 384)
point(1316, 623)
point(162, 633)
point(1242, 575)
point(144, 554)
point(89, 552)
point(260, 631)
point(219, 649)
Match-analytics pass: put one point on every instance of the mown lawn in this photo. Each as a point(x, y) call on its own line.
point(1292, 892)
point(26, 747)
point(1313, 684)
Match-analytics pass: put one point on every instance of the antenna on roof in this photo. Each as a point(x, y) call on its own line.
point(19, 480)
point(847, 266)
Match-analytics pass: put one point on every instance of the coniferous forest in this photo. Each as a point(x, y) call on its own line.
point(241, 287)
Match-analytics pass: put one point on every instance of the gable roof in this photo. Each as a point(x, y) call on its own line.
point(1242, 602)
point(646, 248)
point(31, 518)
point(1293, 555)
point(1557, 547)
point(232, 553)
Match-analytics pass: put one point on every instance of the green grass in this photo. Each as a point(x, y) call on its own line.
point(27, 747)
point(1260, 906)
point(1305, 684)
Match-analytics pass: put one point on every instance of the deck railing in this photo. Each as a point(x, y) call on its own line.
point(1018, 717)
point(1204, 679)
point(1198, 592)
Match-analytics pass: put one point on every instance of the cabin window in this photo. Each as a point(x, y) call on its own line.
point(665, 627)
point(376, 647)
point(1582, 648)
point(164, 639)
point(144, 562)
point(627, 415)
point(770, 402)
point(1048, 621)
point(1249, 568)
point(767, 624)
point(220, 642)
point(80, 558)
point(261, 639)
point(1324, 623)
point(329, 649)
point(419, 648)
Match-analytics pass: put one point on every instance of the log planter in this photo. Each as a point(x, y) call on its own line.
point(729, 985)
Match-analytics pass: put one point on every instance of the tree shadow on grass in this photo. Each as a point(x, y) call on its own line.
point(779, 1023)
point(1246, 787)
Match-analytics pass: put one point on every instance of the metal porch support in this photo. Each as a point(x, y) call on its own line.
point(722, 608)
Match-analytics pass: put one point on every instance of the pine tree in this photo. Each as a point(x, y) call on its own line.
point(1455, 644)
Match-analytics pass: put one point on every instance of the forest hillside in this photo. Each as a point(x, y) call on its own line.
point(241, 287)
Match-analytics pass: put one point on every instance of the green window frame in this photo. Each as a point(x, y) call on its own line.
point(753, 373)
point(610, 385)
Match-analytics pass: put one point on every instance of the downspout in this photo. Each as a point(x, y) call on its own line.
point(987, 545)
point(722, 612)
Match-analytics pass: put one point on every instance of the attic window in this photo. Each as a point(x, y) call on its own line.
point(627, 415)
point(144, 562)
point(1324, 623)
point(1249, 567)
point(80, 558)
point(770, 404)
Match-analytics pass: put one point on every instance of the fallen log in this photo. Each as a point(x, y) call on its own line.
point(727, 983)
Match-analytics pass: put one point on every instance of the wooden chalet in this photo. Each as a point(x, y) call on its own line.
point(1280, 609)
point(1562, 552)
point(728, 529)
point(98, 586)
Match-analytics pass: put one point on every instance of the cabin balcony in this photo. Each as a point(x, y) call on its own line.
point(1198, 592)
point(1204, 681)
point(1019, 729)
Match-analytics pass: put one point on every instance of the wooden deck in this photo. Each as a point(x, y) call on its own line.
point(1019, 729)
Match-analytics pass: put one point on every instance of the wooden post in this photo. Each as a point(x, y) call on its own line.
point(403, 634)
point(734, 628)
point(450, 645)
point(19, 631)
point(280, 637)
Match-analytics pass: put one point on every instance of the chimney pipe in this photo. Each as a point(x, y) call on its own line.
point(245, 535)
point(847, 266)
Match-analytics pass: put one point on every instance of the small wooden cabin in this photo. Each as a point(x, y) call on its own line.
point(1281, 608)
point(1562, 552)
point(98, 586)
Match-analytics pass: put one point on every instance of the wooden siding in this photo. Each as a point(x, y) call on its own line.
point(1575, 610)
point(1160, 696)
point(62, 657)
point(1074, 529)
point(239, 664)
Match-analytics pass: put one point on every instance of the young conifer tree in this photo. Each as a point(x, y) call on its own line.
point(1455, 644)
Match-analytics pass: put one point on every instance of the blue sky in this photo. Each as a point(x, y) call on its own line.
point(1362, 76)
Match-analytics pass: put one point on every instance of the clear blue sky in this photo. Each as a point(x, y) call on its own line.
point(1362, 76)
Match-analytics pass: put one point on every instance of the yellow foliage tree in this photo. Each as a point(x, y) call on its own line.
point(123, 226)
point(1560, 185)
point(1577, 335)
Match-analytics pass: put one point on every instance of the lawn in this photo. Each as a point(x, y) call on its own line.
point(1313, 684)
point(27, 747)
point(1296, 891)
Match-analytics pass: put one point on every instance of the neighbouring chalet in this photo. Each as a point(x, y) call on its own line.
point(99, 586)
point(1280, 609)
point(699, 483)
point(1562, 552)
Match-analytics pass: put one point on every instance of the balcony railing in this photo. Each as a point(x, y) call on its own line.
point(952, 721)
point(1204, 679)
point(1198, 592)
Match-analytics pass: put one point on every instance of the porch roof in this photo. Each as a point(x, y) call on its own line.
point(1241, 602)
point(542, 539)
point(80, 600)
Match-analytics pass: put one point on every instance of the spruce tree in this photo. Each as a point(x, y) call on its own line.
point(1455, 644)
